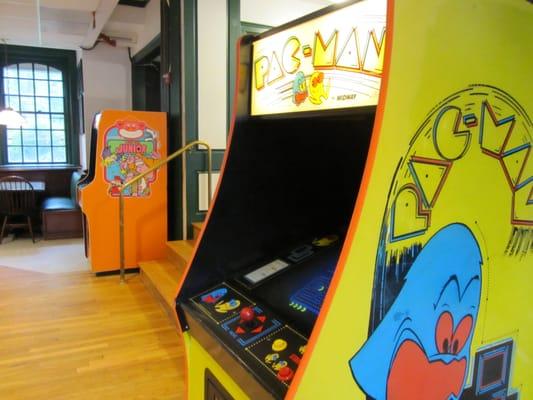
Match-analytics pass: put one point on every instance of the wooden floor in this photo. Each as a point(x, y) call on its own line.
point(75, 336)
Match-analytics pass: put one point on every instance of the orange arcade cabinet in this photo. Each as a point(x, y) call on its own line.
point(124, 144)
point(371, 236)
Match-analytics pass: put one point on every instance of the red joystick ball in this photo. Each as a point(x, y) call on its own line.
point(285, 374)
point(247, 314)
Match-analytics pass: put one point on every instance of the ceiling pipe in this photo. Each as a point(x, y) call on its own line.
point(101, 16)
point(39, 33)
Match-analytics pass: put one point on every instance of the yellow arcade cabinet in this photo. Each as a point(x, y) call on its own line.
point(339, 264)
point(306, 103)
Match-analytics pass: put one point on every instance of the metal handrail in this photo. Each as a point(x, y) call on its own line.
point(148, 171)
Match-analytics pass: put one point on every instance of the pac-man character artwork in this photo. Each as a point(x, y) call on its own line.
point(456, 241)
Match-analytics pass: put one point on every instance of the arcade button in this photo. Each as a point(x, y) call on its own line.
point(279, 345)
point(285, 374)
point(279, 365)
point(301, 350)
point(270, 358)
point(295, 359)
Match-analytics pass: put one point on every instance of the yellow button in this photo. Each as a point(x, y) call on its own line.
point(279, 345)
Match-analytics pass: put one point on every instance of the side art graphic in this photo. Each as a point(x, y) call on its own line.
point(131, 148)
point(458, 224)
point(424, 340)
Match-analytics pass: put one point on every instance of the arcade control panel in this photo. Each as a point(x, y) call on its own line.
point(259, 333)
point(264, 314)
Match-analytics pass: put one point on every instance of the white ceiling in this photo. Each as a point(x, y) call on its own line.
point(69, 24)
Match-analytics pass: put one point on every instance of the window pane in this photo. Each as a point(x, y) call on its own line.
point(41, 71)
point(30, 120)
point(58, 138)
point(27, 103)
point(11, 71)
point(13, 137)
point(41, 88)
point(13, 102)
point(45, 154)
point(55, 74)
point(43, 121)
point(56, 88)
point(30, 154)
point(28, 137)
point(60, 154)
point(58, 122)
point(11, 86)
point(14, 154)
point(37, 91)
point(26, 87)
point(43, 138)
point(56, 104)
point(26, 70)
point(41, 104)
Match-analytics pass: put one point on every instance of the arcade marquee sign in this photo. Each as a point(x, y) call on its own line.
point(333, 61)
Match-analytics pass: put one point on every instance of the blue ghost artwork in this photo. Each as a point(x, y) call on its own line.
point(421, 348)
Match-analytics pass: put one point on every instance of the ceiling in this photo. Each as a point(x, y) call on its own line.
point(70, 24)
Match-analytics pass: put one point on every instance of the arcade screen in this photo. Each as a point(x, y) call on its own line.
point(296, 294)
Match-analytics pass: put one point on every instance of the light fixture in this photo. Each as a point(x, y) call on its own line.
point(8, 116)
point(11, 118)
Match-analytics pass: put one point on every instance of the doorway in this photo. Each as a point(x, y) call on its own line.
point(146, 77)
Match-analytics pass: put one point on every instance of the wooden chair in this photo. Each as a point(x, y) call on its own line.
point(17, 200)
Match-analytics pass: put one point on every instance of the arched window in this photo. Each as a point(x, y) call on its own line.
point(36, 91)
point(40, 84)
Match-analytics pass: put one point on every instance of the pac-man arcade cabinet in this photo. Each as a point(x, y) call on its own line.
point(124, 144)
point(430, 297)
point(305, 108)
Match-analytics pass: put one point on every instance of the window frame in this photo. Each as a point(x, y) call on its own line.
point(65, 61)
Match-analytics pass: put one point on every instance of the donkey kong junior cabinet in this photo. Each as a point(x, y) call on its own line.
point(372, 232)
point(124, 144)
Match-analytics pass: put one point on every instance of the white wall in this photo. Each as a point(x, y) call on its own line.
point(151, 26)
point(278, 12)
point(213, 54)
point(212, 72)
point(106, 83)
point(213, 61)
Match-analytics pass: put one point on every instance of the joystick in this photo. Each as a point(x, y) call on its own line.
point(248, 317)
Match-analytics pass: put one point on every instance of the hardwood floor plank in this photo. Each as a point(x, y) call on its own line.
point(75, 336)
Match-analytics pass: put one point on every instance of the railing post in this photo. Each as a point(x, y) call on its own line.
point(140, 176)
point(209, 173)
point(121, 235)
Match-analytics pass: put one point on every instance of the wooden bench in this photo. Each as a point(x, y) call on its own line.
point(61, 216)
